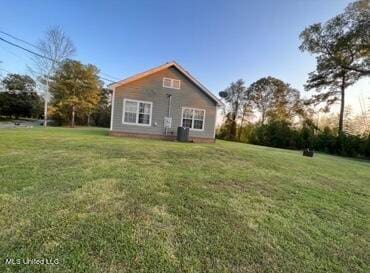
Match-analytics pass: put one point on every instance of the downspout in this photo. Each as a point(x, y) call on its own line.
point(169, 104)
point(168, 111)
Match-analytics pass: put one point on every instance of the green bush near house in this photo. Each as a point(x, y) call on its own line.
point(104, 204)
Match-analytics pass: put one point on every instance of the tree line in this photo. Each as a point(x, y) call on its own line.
point(270, 112)
point(77, 97)
point(63, 89)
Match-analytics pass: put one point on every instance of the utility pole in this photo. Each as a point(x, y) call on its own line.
point(1, 77)
point(46, 102)
point(368, 114)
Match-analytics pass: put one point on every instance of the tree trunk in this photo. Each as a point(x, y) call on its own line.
point(241, 126)
point(263, 116)
point(73, 116)
point(88, 120)
point(342, 101)
point(233, 127)
point(240, 131)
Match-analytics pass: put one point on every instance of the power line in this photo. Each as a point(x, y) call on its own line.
point(42, 56)
point(14, 54)
point(7, 71)
point(19, 39)
point(110, 76)
point(28, 50)
point(108, 80)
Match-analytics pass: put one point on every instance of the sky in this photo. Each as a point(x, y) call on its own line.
point(217, 41)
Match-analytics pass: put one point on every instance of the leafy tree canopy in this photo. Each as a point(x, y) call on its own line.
point(75, 90)
point(16, 82)
point(275, 99)
point(236, 98)
point(20, 98)
point(342, 50)
point(343, 41)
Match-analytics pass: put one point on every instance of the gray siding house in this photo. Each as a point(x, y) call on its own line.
point(154, 103)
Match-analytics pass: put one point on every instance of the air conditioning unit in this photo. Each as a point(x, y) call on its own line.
point(183, 134)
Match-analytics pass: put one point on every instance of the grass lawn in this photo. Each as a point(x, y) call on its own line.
point(104, 204)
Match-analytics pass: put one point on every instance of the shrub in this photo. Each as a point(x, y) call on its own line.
point(281, 134)
point(367, 147)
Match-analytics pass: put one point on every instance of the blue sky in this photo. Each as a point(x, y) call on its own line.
point(217, 41)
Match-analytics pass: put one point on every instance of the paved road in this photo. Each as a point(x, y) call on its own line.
point(22, 124)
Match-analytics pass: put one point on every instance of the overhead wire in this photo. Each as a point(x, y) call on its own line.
point(112, 80)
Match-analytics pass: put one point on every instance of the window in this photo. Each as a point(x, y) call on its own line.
point(193, 118)
point(171, 83)
point(137, 112)
point(167, 82)
point(176, 84)
point(187, 118)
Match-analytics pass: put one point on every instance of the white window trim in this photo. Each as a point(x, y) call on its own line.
point(172, 85)
point(137, 113)
point(192, 124)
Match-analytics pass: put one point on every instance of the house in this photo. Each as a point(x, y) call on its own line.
point(155, 103)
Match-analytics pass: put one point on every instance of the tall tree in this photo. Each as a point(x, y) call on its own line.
point(342, 49)
point(55, 47)
point(235, 96)
point(275, 99)
point(75, 89)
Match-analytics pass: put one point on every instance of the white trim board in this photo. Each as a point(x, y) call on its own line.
point(112, 109)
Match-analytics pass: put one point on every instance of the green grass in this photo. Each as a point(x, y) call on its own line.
point(106, 204)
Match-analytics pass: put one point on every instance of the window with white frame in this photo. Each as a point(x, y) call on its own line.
point(171, 83)
point(193, 118)
point(137, 112)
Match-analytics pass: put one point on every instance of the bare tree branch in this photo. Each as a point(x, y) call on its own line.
point(55, 47)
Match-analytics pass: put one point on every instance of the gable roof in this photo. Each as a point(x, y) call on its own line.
point(165, 66)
